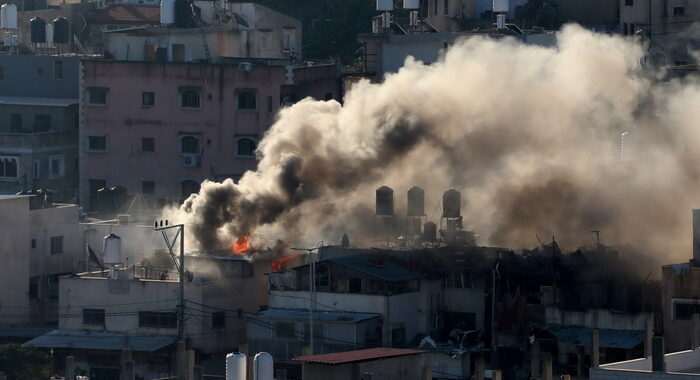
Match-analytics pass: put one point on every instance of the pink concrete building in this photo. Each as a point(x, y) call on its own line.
point(160, 129)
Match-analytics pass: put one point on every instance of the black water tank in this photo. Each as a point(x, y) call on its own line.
point(61, 30)
point(183, 14)
point(38, 30)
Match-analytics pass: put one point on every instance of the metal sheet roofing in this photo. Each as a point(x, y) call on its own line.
point(357, 356)
point(581, 336)
point(318, 315)
point(386, 270)
point(127, 14)
point(30, 101)
point(98, 340)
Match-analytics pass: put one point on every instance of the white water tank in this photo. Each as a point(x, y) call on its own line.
point(385, 5)
point(112, 249)
point(8, 16)
point(263, 367)
point(500, 6)
point(49, 33)
point(411, 4)
point(167, 12)
point(235, 366)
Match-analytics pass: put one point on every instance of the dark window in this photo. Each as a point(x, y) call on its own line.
point(148, 187)
point(285, 330)
point(632, 29)
point(52, 286)
point(15, 122)
point(355, 285)
point(189, 187)
point(269, 104)
point(8, 166)
point(97, 95)
point(57, 169)
point(42, 123)
point(95, 185)
point(678, 11)
point(33, 287)
point(398, 337)
point(318, 331)
point(97, 143)
point(685, 310)
point(148, 99)
point(624, 28)
point(56, 245)
point(287, 100)
point(447, 8)
point(158, 319)
point(245, 146)
point(246, 99)
point(218, 319)
point(58, 69)
point(328, 96)
point(33, 243)
point(629, 3)
point(93, 316)
point(189, 145)
point(189, 98)
point(148, 144)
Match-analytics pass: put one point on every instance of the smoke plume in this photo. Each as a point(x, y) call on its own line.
point(530, 135)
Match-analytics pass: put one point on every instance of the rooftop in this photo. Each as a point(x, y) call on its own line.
point(127, 14)
point(99, 340)
point(30, 101)
point(682, 362)
point(357, 356)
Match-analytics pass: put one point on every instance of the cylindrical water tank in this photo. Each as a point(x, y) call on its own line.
point(8, 16)
point(500, 6)
point(415, 202)
point(167, 12)
point(49, 33)
point(385, 5)
point(38, 30)
point(61, 30)
point(385, 201)
point(112, 249)
point(451, 204)
point(235, 366)
point(411, 4)
point(263, 367)
point(429, 231)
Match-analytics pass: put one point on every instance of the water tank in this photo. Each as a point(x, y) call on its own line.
point(385, 201)
point(500, 6)
point(263, 367)
point(429, 231)
point(8, 16)
point(411, 4)
point(167, 12)
point(235, 366)
point(61, 30)
point(385, 5)
point(38, 30)
point(415, 202)
point(49, 33)
point(451, 204)
point(112, 249)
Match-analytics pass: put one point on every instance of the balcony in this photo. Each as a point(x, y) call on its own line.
point(32, 141)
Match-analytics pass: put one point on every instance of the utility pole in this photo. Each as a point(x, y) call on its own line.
point(162, 226)
point(312, 292)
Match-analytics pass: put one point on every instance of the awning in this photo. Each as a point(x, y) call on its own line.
point(581, 336)
point(30, 101)
point(88, 340)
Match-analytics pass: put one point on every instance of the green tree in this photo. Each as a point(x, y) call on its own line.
point(24, 363)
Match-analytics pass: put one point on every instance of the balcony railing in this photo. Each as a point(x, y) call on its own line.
point(38, 140)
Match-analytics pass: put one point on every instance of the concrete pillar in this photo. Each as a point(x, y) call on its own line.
point(547, 367)
point(479, 369)
point(189, 371)
point(649, 334)
point(595, 348)
point(128, 370)
point(696, 237)
point(70, 368)
point(181, 360)
point(695, 341)
point(566, 377)
point(496, 375)
point(658, 360)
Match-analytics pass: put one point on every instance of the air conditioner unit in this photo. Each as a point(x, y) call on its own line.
point(191, 159)
point(245, 66)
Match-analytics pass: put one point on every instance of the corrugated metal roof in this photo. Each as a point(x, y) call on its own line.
point(127, 14)
point(357, 356)
point(382, 268)
point(581, 336)
point(99, 340)
point(318, 315)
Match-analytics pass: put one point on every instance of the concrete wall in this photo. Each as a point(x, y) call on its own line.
point(21, 79)
point(679, 365)
point(467, 301)
point(14, 254)
point(603, 319)
point(681, 285)
point(61, 220)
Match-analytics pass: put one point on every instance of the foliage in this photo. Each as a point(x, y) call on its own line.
point(24, 363)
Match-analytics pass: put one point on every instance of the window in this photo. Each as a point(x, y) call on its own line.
point(264, 40)
point(435, 11)
point(189, 97)
point(57, 166)
point(58, 69)
point(678, 11)
point(218, 319)
point(97, 96)
point(189, 187)
point(246, 99)
point(97, 143)
point(269, 104)
point(93, 316)
point(8, 167)
point(39, 71)
point(56, 245)
point(624, 29)
point(42, 123)
point(148, 99)
point(398, 337)
point(52, 286)
point(148, 144)
point(148, 187)
point(33, 243)
point(285, 330)
point(289, 36)
point(15, 122)
point(33, 288)
point(629, 3)
point(446, 10)
point(632, 29)
point(685, 310)
point(158, 319)
point(245, 147)
point(178, 53)
point(189, 144)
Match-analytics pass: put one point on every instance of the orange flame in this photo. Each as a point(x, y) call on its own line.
point(241, 246)
point(278, 264)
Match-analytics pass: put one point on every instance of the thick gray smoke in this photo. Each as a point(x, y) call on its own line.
point(530, 135)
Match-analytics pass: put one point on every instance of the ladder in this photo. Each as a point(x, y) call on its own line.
point(206, 47)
